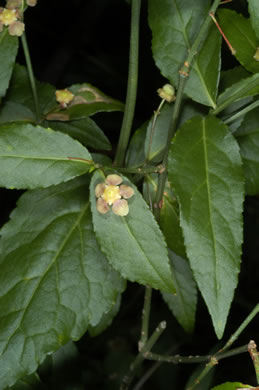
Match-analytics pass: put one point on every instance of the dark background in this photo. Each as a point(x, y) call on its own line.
point(88, 41)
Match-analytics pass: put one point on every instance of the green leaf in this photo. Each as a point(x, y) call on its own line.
point(232, 76)
point(133, 244)
point(253, 7)
point(232, 386)
point(206, 174)
point(88, 101)
point(169, 214)
point(241, 36)
point(18, 104)
point(240, 90)
point(174, 26)
point(54, 281)
point(32, 157)
point(248, 139)
point(30, 382)
point(8, 51)
point(106, 319)
point(85, 131)
point(183, 303)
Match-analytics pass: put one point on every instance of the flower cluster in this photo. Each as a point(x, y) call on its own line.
point(64, 97)
point(113, 193)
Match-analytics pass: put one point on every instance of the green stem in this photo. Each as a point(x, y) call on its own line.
point(127, 380)
point(242, 112)
point(132, 85)
point(156, 113)
point(184, 73)
point(141, 170)
point(222, 352)
point(145, 317)
point(31, 76)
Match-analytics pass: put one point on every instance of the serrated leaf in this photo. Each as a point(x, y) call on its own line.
point(32, 157)
point(183, 303)
point(134, 244)
point(240, 90)
point(18, 104)
point(88, 101)
point(248, 139)
point(8, 52)
point(174, 26)
point(232, 386)
point(54, 280)
point(253, 7)
point(85, 131)
point(241, 36)
point(206, 174)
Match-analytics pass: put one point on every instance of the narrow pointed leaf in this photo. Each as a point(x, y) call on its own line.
point(54, 281)
point(8, 51)
point(32, 157)
point(206, 174)
point(248, 138)
point(175, 25)
point(183, 303)
point(241, 36)
point(133, 244)
point(253, 7)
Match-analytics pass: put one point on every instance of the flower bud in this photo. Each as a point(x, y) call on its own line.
point(11, 4)
point(167, 93)
point(31, 3)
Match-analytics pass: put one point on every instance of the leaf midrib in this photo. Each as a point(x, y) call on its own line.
point(207, 180)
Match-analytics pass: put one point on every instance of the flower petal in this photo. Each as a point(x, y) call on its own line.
point(120, 207)
point(126, 191)
point(114, 180)
point(99, 190)
point(102, 206)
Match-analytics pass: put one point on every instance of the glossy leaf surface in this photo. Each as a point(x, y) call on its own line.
point(206, 174)
point(248, 139)
point(183, 303)
point(8, 51)
point(241, 36)
point(54, 280)
point(174, 26)
point(32, 157)
point(134, 244)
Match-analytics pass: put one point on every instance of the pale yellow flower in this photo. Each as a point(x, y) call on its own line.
point(113, 193)
point(64, 97)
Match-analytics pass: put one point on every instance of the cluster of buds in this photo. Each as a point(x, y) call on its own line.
point(167, 93)
point(11, 16)
point(64, 97)
point(113, 193)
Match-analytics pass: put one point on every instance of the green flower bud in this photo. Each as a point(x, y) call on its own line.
point(167, 93)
